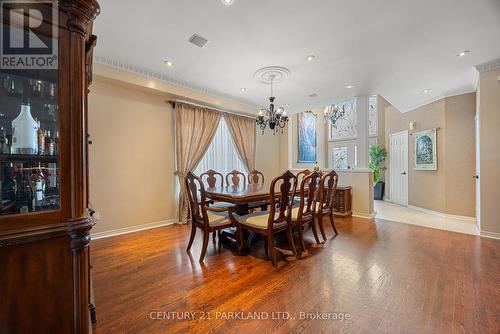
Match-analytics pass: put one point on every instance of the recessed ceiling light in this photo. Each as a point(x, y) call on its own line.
point(227, 2)
point(427, 90)
point(169, 63)
point(310, 57)
point(463, 53)
point(349, 86)
point(243, 89)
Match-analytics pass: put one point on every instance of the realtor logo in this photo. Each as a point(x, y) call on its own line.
point(29, 35)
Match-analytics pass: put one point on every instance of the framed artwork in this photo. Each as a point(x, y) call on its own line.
point(424, 150)
point(306, 123)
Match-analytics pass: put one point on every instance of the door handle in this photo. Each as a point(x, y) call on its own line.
point(476, 177)
point(403, 173)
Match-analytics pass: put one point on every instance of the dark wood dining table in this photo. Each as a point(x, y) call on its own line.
point(240, 195)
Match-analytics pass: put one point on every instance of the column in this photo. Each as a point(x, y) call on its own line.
point(363, 139)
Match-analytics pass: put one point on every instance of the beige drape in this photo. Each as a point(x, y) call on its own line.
point(195, 128)
point(243, 133)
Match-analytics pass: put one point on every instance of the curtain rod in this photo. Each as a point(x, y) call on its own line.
point(172, 102)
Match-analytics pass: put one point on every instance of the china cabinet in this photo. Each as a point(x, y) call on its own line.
point(44, 217)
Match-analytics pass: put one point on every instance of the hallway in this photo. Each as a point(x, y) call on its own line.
point(407, 215)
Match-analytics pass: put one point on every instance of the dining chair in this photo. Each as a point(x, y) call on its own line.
point(300, 176)
point(268, 223)
point(211, 178)
point(255, 177)
point(233, 178)
point(303, 213)
point(327, 191)
point(206, 218)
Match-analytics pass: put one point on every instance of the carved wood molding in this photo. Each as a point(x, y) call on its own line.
point(80, 13)
point(78, 229)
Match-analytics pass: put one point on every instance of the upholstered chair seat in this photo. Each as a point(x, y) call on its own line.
point(259, 220)
point(295, 213)
point(218, 219)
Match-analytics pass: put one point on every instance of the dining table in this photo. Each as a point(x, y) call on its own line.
point(240, 195)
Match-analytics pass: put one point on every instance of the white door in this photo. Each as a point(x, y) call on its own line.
point(398, 161)
point(478, 164)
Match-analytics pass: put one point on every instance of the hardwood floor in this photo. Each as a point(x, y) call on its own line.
point(387, 277)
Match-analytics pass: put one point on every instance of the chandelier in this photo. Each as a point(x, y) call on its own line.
point(333, 113)
point(276, 119)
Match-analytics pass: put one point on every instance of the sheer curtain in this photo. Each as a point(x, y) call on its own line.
point(221, 154)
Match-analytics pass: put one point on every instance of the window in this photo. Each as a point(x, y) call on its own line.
point(342, 149)
point(346, 127)
point(342, 155)
point(221, 154)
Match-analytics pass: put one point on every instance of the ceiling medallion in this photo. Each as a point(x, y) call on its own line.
point(274, 118)
point(272, 74)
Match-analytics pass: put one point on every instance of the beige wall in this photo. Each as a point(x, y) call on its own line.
point(132, 155)
point(382, 105)
point(284, 152)
point(460, 155)
point(267, 154)
point(440, 190)
point(489, 106)
point(131, 158)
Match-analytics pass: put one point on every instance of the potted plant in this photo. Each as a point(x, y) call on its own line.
point(377, 158)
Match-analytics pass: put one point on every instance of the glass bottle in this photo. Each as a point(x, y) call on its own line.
point(24, 131)
point(24, 195)
point(4, 142)
point(41, 140)
point(49, 144)
point(56, 143)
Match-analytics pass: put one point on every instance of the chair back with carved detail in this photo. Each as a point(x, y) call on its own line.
point(255, 177)
point(308, 195)
point(302, 174)
point(327, 190)
point(197, 199)
point(236, 178)
point(282, 192)
point(210, 178)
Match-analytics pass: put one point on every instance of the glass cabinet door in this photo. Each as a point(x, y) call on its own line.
point(29, 122)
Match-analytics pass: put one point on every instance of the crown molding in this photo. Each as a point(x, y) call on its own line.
point(145, 72)
point(488, 66)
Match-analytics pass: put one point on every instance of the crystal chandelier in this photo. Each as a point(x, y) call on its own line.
point(276, 119)
point(333, 113)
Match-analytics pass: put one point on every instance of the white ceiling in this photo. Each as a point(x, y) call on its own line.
point(395, 48)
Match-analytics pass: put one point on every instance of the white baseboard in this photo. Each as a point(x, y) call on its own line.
point(364, 215)
point(492, 235)
point(444, 215)
point(131, 229)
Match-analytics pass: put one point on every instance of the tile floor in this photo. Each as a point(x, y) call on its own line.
point(402, 214)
